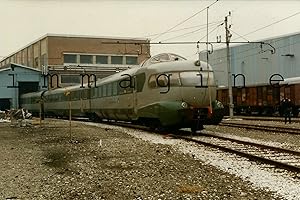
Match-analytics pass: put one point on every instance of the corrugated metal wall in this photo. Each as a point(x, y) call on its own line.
point(257, 63)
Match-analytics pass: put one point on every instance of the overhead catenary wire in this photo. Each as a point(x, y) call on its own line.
point(276, 22)
point(192, 32)
point(186, 28)
point(184, 20)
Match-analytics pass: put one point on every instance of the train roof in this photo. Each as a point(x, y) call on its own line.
point(33, 94)
point(163, 57)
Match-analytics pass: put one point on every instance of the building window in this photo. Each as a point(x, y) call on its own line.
point(70, 58)
point(36, 62)
point(86, 59)
point(131, 60)
point(101, 59)
point(117, 60)
point(70, 79)
point(44, 59)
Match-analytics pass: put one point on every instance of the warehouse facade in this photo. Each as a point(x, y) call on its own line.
point(16, 80)
point(258, 62)
point(68, 57)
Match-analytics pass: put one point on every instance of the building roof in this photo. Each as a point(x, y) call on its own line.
point(76, 36)
point(9, 66)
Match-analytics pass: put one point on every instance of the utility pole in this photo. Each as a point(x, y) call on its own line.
point(208, 70)
point(228, 36)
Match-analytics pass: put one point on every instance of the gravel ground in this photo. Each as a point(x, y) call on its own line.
point(105, 162)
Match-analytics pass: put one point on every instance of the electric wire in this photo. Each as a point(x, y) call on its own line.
point(189, 33)
point(276, 22)
point(184, 20)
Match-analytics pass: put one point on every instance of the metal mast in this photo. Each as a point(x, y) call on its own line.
point(228, 36)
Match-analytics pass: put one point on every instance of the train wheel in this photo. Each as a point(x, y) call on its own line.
point(197, 127)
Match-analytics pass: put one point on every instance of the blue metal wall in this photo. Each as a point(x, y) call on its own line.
point(9, 85)
point(257, 63)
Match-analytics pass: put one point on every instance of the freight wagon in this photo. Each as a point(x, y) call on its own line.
point(262, 99)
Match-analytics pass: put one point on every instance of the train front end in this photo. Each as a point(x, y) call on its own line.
point(198, 94)
point(182, 94)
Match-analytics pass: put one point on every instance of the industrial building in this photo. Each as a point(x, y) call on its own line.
point(16, 80)
point(68, 56)
point(260, 74)
point(257, 62)
point(63, 60)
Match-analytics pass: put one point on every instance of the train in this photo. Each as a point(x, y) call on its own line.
point(165, 91)
point(263, 99)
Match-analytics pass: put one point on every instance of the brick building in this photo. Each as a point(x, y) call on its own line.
point(68, 56)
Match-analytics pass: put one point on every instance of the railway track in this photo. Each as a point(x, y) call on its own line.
point(262, 127)
point(279, 157)
point(278, 119)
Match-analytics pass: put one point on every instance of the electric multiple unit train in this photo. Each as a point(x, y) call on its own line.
point(166, 91)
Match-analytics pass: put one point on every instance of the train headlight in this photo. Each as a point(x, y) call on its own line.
point(184, 104)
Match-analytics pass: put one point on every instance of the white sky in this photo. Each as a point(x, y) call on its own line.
point(23, 21)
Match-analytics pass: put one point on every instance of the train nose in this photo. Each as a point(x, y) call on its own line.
point(195, 98)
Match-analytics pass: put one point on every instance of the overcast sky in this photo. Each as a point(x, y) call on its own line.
point(23, 21)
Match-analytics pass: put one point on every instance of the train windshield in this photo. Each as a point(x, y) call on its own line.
point(193, 78)
point(190, 78)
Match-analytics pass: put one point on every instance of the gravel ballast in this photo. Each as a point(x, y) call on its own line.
point(105, 162)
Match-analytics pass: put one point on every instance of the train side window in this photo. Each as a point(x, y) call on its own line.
point(61, 97)
point(109, 89)
point(99, 91)
point(84, 94)
point(93, 93)
point(115, 88)
point(104, 90)
point(152, 81)
point(75, 95)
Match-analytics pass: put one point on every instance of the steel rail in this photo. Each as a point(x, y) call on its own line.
point(262, 127)
point(250, 155)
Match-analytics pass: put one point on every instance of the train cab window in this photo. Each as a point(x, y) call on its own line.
point(160, 80)
point(193, 78)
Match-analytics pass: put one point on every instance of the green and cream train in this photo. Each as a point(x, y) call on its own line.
point(166, 91)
